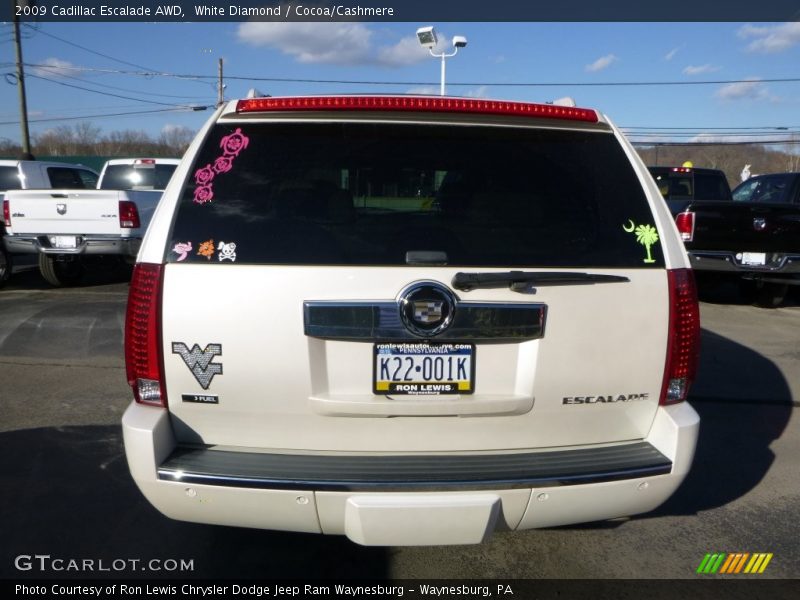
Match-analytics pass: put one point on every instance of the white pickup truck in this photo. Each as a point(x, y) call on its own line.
point(38, 174)
point(64, 226)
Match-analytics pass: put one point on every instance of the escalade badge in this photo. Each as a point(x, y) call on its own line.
point(426, 308)
point(61, 208)
point(199, 361)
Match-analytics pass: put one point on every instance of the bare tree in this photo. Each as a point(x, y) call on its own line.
point(176, 139)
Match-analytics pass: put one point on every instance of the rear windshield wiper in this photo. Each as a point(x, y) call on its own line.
point(526, 282)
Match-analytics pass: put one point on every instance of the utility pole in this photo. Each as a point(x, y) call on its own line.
point(220, 86)
point(23, 102)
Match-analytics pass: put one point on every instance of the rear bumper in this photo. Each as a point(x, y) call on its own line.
point(731, 262)
point(408, 500)
point(86, 244)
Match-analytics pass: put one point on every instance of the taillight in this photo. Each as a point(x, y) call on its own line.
point(6, 213)
point(417, 104)
point(128, 215)
point(685, 222)
point(143, 359)
point(683, 343)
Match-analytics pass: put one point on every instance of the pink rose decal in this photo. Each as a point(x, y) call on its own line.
point(223, 164)
point(231, 146)
point(204, 176)
point(234, 143)
point(203, 194)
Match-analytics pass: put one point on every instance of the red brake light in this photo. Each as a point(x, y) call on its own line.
point(683, 343)
point(128, 215)
point(681, 169)
point(685, 222)
point(143, 357)
point(6, 213)
point(421, 104)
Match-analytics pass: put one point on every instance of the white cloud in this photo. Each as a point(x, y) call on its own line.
point(699, 70)
point(752, 89)
point(601, 63)
point(771, 39)
point(478, 92)
point(671, 54)
point(405, 52)
point(711, 138)
point(55, 67)
point(334, 43)
point(425, 90)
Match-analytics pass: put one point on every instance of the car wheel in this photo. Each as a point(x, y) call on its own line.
point(765, 295)
point(5, 265)
point(64, 272)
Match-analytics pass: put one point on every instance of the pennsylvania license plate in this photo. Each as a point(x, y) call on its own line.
point(424, 369)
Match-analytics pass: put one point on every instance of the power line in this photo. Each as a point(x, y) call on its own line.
point(57, 71)
point(748, 143)
point(764, 127)
point(84, 48)
point(77, 87)
point(121, 114)
point(701, 134)
point(149, 73)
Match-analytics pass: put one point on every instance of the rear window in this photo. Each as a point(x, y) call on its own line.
point(130, 177)
point(691, 185)
point(711, 186)
point(367, 194)
point(66, 177)
point(672, 185)
point(9, 178)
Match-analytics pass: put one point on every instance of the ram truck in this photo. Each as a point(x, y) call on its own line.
point(33, 174)
point(755, 236)
point(66, 227)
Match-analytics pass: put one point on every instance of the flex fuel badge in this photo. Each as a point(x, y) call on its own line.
point(646, 235)
point(200, 361)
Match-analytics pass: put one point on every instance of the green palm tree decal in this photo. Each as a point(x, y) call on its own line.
point(646, 235)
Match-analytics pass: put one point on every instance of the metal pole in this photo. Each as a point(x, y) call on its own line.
point(23, 103)
point(441, 86)
point(220, 86)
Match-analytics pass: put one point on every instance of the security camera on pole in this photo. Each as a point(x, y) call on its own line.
point(428, 39)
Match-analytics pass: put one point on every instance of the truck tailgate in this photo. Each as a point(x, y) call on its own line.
point(64, 211)
point(749, 226)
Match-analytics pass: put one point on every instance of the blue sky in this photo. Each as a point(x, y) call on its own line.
point(497, 53)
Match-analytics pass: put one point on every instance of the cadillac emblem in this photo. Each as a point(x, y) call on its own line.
point(426, 308)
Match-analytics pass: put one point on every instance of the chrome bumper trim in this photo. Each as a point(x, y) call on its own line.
point(381, 321)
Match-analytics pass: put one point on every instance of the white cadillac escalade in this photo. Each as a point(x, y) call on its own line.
point(410, 320)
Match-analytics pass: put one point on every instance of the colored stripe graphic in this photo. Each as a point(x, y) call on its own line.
point(734, 563)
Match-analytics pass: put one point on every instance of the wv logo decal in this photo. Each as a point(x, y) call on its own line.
point(199, 361)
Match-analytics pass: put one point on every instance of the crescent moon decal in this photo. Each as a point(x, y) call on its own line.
point(633, 226)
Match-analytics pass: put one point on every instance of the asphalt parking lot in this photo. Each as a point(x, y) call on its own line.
point(68, 493)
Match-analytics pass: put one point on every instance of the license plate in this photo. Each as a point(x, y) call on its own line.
point(754, 258)
point(65, 241)
point(424, 369)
